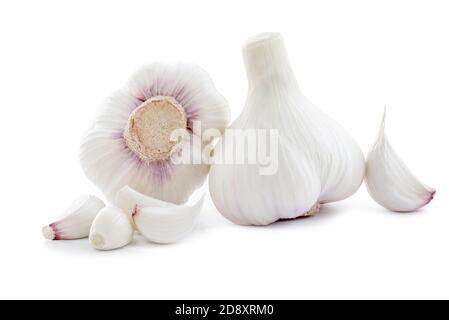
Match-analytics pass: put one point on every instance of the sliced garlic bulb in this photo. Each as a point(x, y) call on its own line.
point(317, 160)
point(111, 229)
point(166, 224)
point(390, 183)
point(130, 141)
point(75, 222)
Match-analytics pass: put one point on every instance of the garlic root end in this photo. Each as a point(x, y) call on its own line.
point(97, 241)
point(314, 210)
point(48, 233)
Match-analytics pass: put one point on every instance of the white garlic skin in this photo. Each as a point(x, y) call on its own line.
point(76, 221)
point(166, 224)
point(111, 229)
point(110, 164)
point(390, 183)
point(319, 161)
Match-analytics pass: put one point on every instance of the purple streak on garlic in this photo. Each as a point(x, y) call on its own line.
point(76, 221)
point(129, 142)
point(157, 220)
point(390, 183)
point(318, 161)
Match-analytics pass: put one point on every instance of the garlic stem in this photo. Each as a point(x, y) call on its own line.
point(266, 62)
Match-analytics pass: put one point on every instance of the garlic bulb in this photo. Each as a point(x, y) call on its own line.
point(131, 142)
point(390, 183)
point(315, 160)
point(166, 224)
point(76, 221)
point(111, 229)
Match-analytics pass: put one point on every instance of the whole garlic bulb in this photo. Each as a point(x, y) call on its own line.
point(318, 161)
point(130, 141)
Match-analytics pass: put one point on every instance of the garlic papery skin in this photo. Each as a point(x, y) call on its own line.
point(127, 199)
point(130, 141)
point(75, 222)
point(166, 224)
point(390, 183)
point(111, 229)
point(317, 160)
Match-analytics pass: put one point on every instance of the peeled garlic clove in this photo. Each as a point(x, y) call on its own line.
point(111, 229)
point(76, 220)
point(314, 161)
point(131, 135)
point(166, 224)
point(390, 183)
point(127, 199)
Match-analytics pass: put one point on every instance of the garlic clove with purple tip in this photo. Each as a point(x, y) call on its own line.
point(390, 183)
point(76, 221)
point(130, 141)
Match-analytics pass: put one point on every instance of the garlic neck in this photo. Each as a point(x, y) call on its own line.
point(149, 130)
point(266, 61)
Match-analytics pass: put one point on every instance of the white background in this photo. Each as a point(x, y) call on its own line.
point(60, 59)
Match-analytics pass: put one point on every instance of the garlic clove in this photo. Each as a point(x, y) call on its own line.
point(111, 229)
point(390, 183)
point(127, 199)
point(130, 135)
point(166, 224)
point(75, 222)
point(317, 160)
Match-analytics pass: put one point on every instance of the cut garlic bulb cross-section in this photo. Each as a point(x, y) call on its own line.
point(390, 183)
